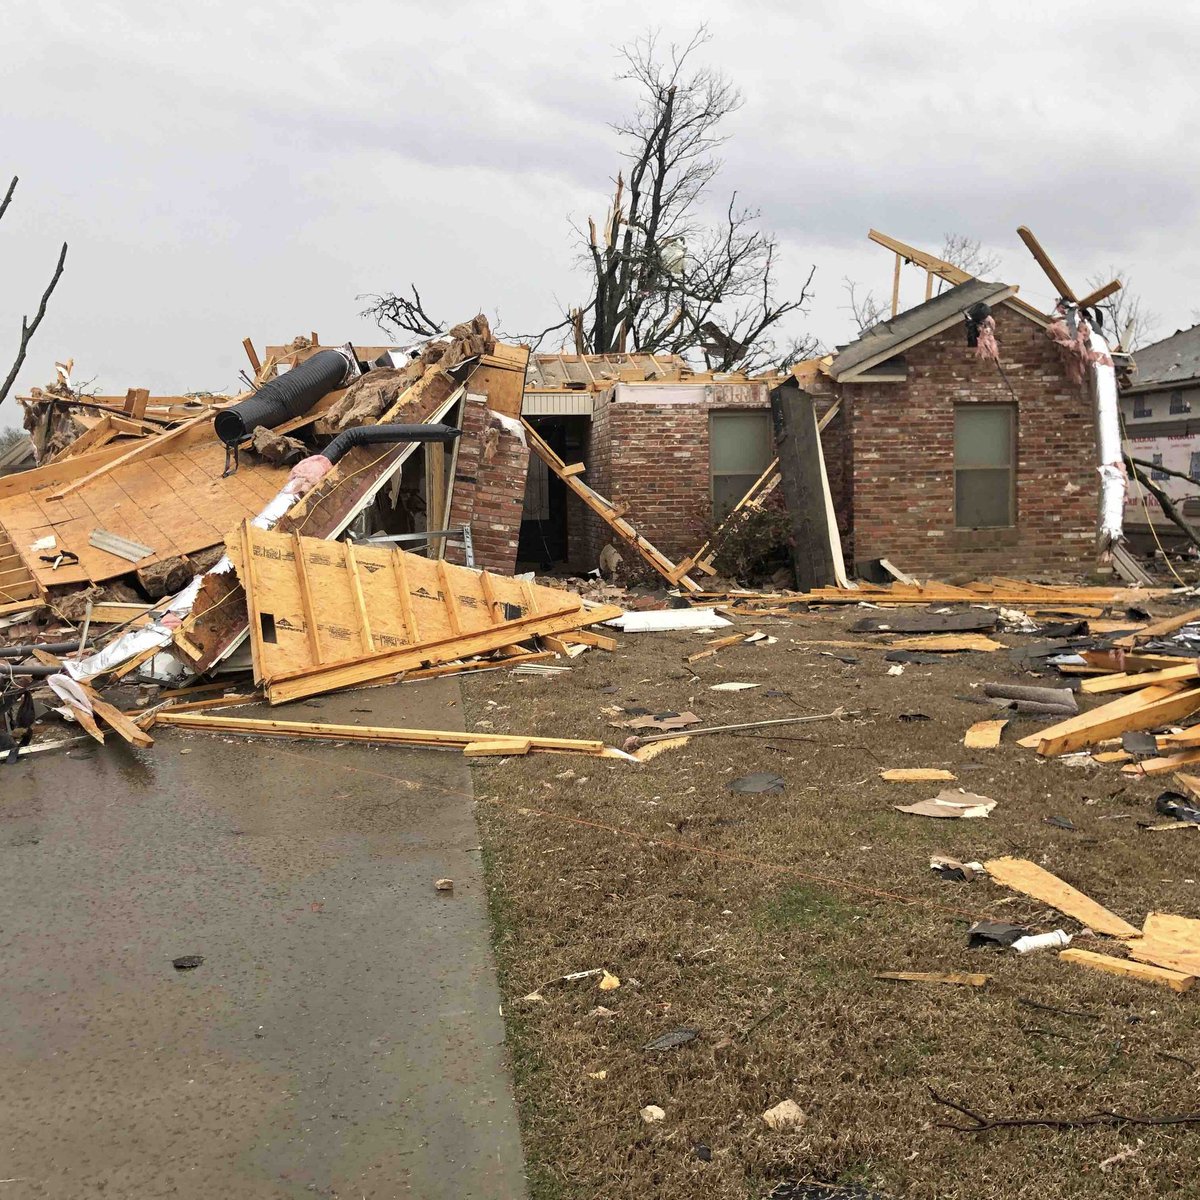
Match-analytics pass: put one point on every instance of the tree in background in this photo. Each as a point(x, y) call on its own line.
point(1127, 319)
point(967, 254)
point(28, 328)
point(666, 275)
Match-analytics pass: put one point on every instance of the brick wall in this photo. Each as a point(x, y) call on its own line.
point(489, 487)
point(648, 449)
point(901, 459)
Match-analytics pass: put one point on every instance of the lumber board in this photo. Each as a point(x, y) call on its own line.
point(1177, 981)
point(1125, 682)
point(1148, 716)
point(984, 735)
point(607, 512)
point(384, 735)
point(1031, 880)
point(1160, 628)
point(1122, 706)
point(958, 978)
point(1163, 765)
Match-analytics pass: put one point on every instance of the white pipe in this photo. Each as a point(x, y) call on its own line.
point(1109, 532)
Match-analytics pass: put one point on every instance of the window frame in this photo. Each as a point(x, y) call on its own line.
point(1010, 468)
point(1142, 408)
point(1179, 405)
point(714, 416)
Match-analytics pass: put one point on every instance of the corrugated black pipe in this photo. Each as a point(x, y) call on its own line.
point(48, 647)
point(289, 395)
point(37, 670)
point(369, 435)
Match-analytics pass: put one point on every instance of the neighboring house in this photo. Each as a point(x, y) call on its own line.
point(17, 456)
point(949, 464)
point(1160, 412)
point(677, 448)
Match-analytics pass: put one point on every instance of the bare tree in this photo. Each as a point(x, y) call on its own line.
point(28, 328)
point(865, 308)
point(1126, 316)
point(968, 254)
point(393, 312)
point(665, 277)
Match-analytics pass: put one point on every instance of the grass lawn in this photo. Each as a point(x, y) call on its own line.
point(760, 921)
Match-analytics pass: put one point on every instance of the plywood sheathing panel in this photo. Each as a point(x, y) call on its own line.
point(318, 604)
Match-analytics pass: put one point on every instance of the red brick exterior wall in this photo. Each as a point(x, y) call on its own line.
point(489, 487)
point(900, 459)
point(649, 450)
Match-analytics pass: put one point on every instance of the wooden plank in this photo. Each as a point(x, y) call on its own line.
point(433, 738)
point(1124, 682)
point(1122, 705)
point(494, 749)
point(958, 978)
point(1160, 628)
point(356, 590)
point(435, 491)
point(118, 721)
point(306, 600)
point(1031, 880)
point(1043, 260)
point(335, 676)
point(589, 637)
point(948, 643)
point(1149, 716)
point(1161, 766)
point(449, 598)
point(573, 469)
point(1177, 981)
point(252, 355)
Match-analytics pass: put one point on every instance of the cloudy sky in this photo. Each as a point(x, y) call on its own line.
point(235, 169)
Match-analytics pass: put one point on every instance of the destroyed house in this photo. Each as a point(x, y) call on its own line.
point(674, 448)
point(945, 460)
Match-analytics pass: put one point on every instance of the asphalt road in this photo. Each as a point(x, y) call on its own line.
point(342, 1037)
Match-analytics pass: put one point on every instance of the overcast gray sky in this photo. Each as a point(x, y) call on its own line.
point(232, 169)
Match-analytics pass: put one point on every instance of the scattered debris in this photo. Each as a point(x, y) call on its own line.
point(762, 781)
point(187, 962)
point(994, 933)
point(652, 1113)
point(916, 774)
point(672, 1039)
point(951, 805)
point(958, 979)
point(1032, 880)
point(787, 1114)
point(444, 885)
point(1056, 940)
point(984, 735)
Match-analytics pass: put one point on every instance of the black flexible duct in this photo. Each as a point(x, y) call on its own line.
point(369, 435)
point(290, 395)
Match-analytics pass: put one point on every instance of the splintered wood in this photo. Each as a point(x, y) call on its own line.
point(1032, 880)
point(326, 615)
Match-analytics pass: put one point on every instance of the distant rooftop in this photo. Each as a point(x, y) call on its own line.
point(1173, 361)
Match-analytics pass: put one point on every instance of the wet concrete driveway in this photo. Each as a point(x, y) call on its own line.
point(342, 1036)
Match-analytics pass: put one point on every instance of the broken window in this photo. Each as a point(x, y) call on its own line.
point(740, 451)
point(984, 466)
point(1141, 407)
point(1179, 404)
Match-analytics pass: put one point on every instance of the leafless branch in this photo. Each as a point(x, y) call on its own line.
point(12, 187)
point(979, 1123)
point(866, 309)
point(393, 312)
point(29, 328)
point(1128, 319)
point(1170, 509)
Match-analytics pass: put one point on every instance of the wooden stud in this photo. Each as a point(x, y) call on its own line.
point(896, 286)
point(306, 601)
point(1043, 261)
point(449, 598)
point(252, 355)
point(360, 603)
point(412, 630)
point(1031, 880)
point(1163, 711)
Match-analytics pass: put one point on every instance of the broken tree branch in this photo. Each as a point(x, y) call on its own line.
point(401, 313)
point(1169, 508)
point(29, 329)
point(1108, 1117)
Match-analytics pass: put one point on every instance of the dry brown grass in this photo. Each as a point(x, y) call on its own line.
point(759, 920)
